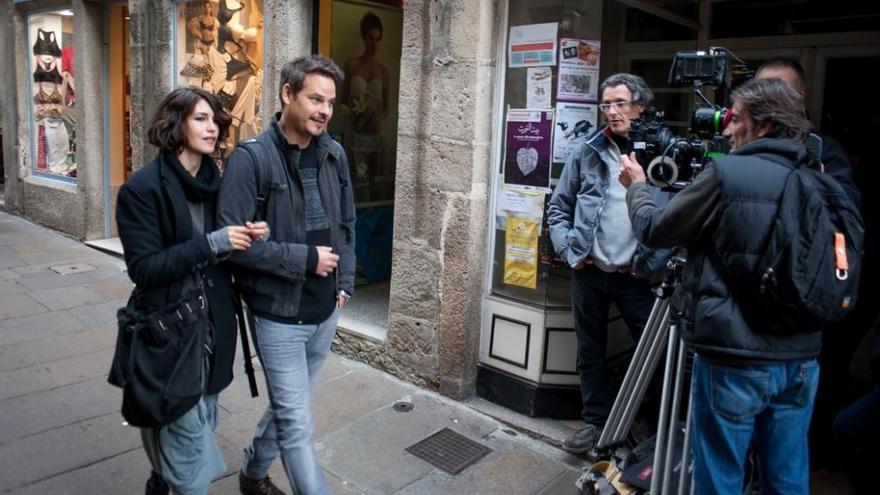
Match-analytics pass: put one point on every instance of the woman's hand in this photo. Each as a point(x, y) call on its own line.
point(239, 237)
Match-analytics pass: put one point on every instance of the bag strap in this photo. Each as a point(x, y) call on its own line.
point(246, 322)
point(260, 158)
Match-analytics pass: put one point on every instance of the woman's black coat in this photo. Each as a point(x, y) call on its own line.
point(160, 252)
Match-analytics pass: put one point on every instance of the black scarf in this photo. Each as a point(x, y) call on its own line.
point(204, 186)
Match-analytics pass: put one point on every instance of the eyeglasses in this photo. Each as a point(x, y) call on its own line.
point(620, 106)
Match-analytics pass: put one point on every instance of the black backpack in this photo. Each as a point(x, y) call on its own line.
point(808, 276)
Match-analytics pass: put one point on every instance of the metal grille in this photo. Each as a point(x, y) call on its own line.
point(449, 451)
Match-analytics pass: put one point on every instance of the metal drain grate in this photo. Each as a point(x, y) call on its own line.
point(449, 451)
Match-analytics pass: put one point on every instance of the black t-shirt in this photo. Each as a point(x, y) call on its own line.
point(319, 293)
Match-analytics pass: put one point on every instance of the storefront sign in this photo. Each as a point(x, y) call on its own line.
point(574, 122)
point(527, 155)
point(532, 45)
point(578, 69)
point(521, 252)
point(538, 87)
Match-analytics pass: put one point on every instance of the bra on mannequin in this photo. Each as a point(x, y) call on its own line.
point(224, 13)
point(46, 44)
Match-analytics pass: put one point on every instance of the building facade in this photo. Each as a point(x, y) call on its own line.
point(460, 290)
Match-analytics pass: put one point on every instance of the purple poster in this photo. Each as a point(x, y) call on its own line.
point(529, 144)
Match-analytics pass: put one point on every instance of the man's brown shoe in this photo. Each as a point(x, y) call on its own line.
point(250, 486)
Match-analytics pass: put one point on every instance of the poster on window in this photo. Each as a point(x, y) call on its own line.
point(50, 36)
point(578, 70)
point(521, 251)
point(538, 87)
point(220, 49)
point(527, 153)
point(366, 40)
point(574, 122)
point(532, 45)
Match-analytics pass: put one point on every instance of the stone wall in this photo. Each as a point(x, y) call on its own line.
point(443, 165)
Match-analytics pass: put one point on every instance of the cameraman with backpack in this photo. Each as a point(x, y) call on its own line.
point(751, 386)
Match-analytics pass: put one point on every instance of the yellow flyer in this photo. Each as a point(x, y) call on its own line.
point(521, 252)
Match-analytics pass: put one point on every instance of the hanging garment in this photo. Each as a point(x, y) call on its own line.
point(245, 106)
point(50, 97)
point(47, 72)
point(46, 44)
point(235, 67)
point(67, 59)
point(42, 166)
point(57, 144)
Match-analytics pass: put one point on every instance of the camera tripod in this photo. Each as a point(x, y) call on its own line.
point(635, 384)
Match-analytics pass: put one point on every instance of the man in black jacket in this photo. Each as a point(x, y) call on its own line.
point(296, 281)
point(749, 387)
point(834, 160)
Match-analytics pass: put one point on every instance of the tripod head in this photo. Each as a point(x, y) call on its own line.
point(672, 275)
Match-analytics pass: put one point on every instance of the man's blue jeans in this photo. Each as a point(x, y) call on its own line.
point(291, 356)
point(766, 406)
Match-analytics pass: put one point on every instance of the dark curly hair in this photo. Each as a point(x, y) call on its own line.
point(370, 21)
point(167, 128)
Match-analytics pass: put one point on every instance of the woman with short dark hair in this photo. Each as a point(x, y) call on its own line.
point(165, 215)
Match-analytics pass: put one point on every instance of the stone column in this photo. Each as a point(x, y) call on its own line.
point(88, 42)
point(10, 25)
point(443, 170)
point(151, 62)
point(288, 34)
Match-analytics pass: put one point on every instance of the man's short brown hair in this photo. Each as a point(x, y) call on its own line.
point(294, 73)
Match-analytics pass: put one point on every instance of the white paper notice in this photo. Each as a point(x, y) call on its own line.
point(578, 69)
point(538, 87)
point(522, 203)
point(574, 121)
point(532, 45)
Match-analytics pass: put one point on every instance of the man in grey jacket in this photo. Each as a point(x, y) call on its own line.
point(590, 230)
point(296, 281)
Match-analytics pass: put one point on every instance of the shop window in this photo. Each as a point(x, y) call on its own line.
point(53, 93)
point(219, 47)
point(365, 41)
point(551, 78)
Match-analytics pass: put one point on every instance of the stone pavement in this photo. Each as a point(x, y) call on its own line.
point(61, 430)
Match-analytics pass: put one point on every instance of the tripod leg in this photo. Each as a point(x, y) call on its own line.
point(674, 413)
point(663, 422)
point(645, 374)
point(618, 425)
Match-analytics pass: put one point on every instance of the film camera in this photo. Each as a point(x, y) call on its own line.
point(671, 162)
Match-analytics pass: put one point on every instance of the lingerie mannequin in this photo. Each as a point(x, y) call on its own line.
point(46, 44)
point(202, 28)
point(231, 29)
